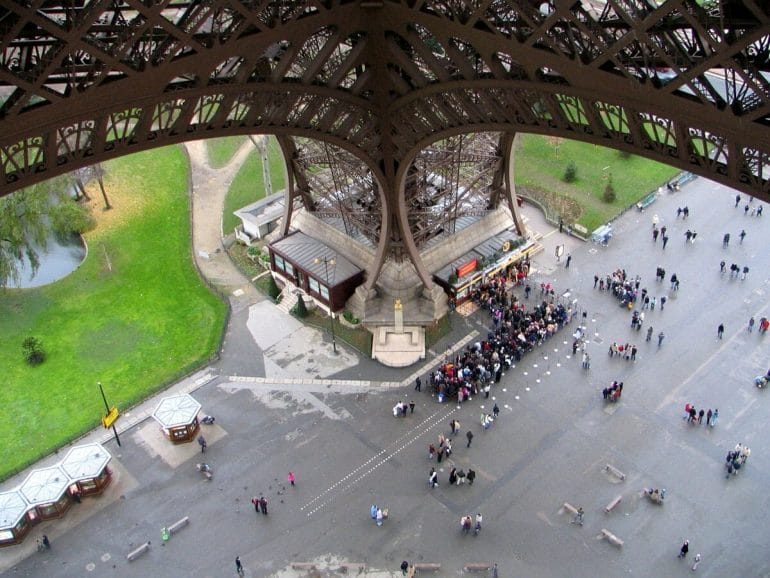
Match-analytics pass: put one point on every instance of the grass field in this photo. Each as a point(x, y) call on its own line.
point(540, 163)
point(134, 316)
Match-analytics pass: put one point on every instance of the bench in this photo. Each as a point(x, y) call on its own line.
point(615, 471)
point(570, 508)
point(613, 504)
point(427, 567)
point(612, 538)
point(478, 567)
point(178, 525)
point(303, 566)
point(646, 201)
point(134, 554)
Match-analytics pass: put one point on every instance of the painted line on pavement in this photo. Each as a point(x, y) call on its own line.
point(384, 455)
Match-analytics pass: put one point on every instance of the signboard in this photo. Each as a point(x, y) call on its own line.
point(110, 418)
point(469, 267)
point(559, 251)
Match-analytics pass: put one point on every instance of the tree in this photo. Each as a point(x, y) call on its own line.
point(98, 172)
point(29, 216)
point(570, 173)
point(609, 192)
point(33, 350)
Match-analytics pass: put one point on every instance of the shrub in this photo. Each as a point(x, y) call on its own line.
point(253, 251)
point(350, 318)
point(609, 192)
point(570, 173)
point(453, 279)
point(33, 351)
point(300, 309)
point(272, 289)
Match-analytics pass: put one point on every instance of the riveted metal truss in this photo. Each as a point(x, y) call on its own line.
point(680, 81)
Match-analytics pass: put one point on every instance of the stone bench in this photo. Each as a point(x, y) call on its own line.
point(613, 504)
point(427, 567)
point(646, 201)
point(612, 538)
point(303, 566)
point(570, 508)
point(478, 567)
point(178, 525)
point(134, 554)
point(615, 471)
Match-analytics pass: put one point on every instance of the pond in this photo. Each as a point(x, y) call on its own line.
point(60, 259)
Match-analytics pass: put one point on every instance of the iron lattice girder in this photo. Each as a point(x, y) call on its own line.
point(87, 81)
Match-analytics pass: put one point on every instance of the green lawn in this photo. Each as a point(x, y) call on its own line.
point(249, 186)
point(221, 150)
point(134, 316)
point(539, 165)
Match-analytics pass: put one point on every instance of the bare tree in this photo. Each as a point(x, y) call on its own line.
point(99, 172)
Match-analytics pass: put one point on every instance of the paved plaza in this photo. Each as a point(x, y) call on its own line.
point(284, 402)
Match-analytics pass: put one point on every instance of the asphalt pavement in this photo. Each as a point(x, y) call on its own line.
point(284, 402)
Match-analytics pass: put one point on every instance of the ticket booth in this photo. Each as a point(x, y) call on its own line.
point(86, 467)
point(46, 492)
point(14, 522)
point(178, 417)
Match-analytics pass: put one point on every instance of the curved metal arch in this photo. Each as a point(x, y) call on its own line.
point(62, 62)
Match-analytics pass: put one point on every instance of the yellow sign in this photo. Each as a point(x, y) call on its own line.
point(110, 418)
point(397, 305)
point(506, 246)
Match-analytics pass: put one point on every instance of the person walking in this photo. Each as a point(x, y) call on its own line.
point(433, 478)
point(569, 259)
point(46, 542)
point(404, 567)
point(662, 302)
point(708, 417)
point(751, 324)
point(737, 201)
point(291, 478)
point(263, 505)
point(742, 235)
point(469, 435)
point(665, 241)
point(578, 519)
point(649, 334)
point(684, 549)
point(714, 417)
point(202, 443)
point(695, 562)
point(661, 336)
point(720, 330)
point(238, 566)
point(700, 417)
point(418, 384)
point(255, 501)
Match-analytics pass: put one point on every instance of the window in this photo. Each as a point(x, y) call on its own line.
point(313, 284)
point(324, 292)
point(289, 268)
point(279, 264)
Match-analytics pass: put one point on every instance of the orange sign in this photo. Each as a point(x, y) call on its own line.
point(469, 267)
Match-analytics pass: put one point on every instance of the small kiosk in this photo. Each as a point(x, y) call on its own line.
point(178, 417)
point(86, 467)
point(46, 492)
point(14, 522)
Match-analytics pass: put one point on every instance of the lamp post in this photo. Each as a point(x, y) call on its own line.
point(328, 261)
point(107, 407)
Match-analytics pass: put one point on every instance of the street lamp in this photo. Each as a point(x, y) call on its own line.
point(328, 261)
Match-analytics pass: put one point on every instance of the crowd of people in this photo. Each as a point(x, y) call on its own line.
point(516, 330)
